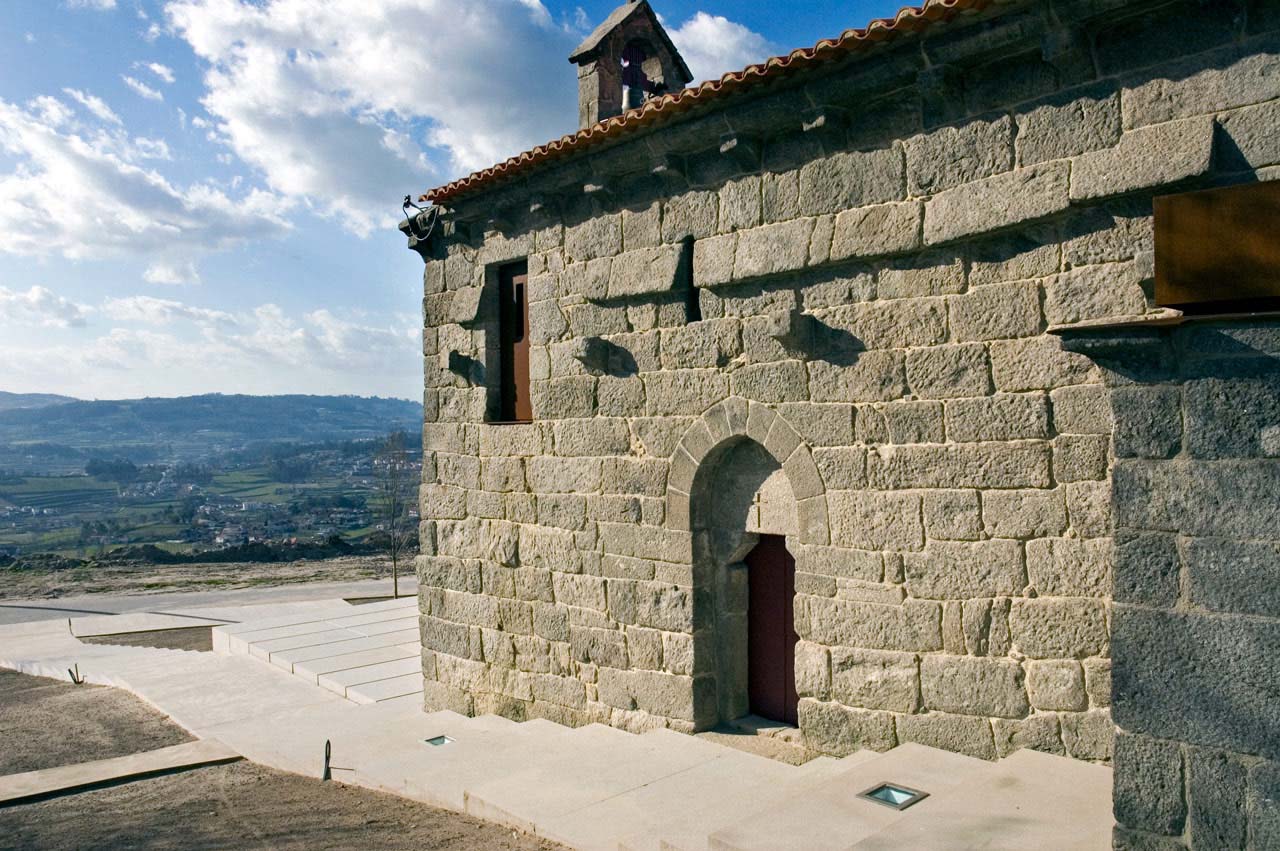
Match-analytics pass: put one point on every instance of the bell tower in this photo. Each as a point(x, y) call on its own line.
point(627, 60)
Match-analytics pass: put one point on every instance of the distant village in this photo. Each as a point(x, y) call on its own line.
point(310, 496)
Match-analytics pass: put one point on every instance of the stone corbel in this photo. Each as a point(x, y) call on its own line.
point(941, 94)
point(743, 150)
point(828, 124)
point(1068, 51)
point(464, 366)
point(598, 194)
point(670, 169)
point(602, 357)
point(793, 328)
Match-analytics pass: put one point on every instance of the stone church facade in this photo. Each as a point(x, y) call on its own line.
point(886, 306)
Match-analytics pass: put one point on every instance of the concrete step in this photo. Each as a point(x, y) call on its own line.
point(339, 682)
point(388, 689)
point(316, 668)
point(287, 659)
point(1029, 800)
point(827, 813)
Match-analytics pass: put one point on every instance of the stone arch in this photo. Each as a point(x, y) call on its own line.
point(738, 418)
point(741, 470)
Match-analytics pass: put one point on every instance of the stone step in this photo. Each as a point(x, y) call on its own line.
point(387, 689)
point(339, 682)
point(316, 668)
point(827, 814)
point(1029, 800)
point(287, 659)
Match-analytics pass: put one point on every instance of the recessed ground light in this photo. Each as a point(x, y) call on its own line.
point(438, 741)
point(893, 795)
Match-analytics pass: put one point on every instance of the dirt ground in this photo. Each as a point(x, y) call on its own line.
point(45, 723)
point(185, 638)
point(155, 578)
point(246, 806)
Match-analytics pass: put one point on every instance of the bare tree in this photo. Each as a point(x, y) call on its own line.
point(397, 496)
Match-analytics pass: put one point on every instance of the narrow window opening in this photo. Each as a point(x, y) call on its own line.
point(692, 304)
point(513, 335)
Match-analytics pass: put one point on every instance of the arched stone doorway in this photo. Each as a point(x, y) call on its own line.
point(746, 486)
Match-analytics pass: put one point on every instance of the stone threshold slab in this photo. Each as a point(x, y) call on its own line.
point(66, 779)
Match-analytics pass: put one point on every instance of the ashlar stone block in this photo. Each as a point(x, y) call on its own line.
point(973, 686)
point(839, 730)
point(1008, 199)
point(1057, 685)
point(952, 570)
point(875, 679)
point(1024, 514)
point(1059, 628)
point(1146, 157)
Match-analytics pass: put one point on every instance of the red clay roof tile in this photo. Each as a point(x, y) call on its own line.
point(911, 19)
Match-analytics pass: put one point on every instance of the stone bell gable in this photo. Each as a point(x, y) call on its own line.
point(626, 60)
point(838, 300)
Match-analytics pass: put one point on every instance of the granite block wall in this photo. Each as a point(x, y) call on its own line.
point(1196, 618)
point(837, 294)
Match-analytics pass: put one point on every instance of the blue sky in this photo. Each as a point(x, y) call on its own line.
point(201, 195)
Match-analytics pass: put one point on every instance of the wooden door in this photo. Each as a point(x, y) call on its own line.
point(513, 328)
point(771, 631)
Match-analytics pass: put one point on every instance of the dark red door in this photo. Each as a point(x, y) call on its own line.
point(771, 630)
point(513, 327)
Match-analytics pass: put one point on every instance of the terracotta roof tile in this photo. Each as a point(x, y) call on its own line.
point(911, 19)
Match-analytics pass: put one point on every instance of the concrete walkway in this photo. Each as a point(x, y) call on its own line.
point(593, 787)
point(30, 785)
point(22, 611)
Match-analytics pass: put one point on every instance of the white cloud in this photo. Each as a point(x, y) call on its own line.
point(164, 72)
point(160, 311)
point(343, 102)
point(713, 46)
point(95, 105)
point(29, 38)
point(142, 88)
point(95, 5)
point(171, 273)
point(86, 190)
point(261, 351)
point(41, 306)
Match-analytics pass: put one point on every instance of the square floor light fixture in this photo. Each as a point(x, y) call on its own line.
point(438, 741)
point(893, 795)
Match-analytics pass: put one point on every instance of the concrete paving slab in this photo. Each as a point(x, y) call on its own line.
point(136, 622)
point(33, 785)
point(591, 765)
point(1029, 800)
point(828, 815)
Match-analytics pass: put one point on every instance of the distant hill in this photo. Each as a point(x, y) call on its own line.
point(12, 401)
point(62, 436)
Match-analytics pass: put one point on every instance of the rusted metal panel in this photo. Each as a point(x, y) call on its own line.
point(1219, 248)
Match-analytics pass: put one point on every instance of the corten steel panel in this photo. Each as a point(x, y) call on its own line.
point(771, 630)
point(513, 330)
point(1219, 248)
